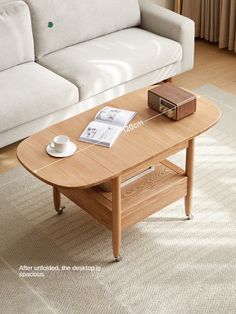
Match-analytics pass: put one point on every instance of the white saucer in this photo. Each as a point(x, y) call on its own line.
point(70, 151)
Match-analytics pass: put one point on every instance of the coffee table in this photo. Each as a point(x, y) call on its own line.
point(153, 139)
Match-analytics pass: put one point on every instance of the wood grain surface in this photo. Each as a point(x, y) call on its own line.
point(93, 164)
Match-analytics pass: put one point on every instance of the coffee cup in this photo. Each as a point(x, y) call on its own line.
point(60, 143)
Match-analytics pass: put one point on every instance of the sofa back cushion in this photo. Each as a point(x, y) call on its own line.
point(61, 23)
point(16, 39)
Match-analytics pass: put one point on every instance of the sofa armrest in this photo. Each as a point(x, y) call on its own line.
point(166, 23)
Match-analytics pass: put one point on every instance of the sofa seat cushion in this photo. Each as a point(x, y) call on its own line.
point(16, 38)
point(30, 91)
point(105, 62)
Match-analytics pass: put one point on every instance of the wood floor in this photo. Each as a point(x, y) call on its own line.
point(212, 65)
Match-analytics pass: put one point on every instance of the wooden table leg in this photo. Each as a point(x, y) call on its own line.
point(57, 201)
point(169, 80)
point(116, 217)
point(189, 174)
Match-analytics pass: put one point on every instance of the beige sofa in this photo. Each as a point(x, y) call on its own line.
point(59, 57)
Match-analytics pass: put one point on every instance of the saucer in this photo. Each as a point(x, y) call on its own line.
point(70, 151)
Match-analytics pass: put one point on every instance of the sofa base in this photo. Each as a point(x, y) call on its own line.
point(27, 129)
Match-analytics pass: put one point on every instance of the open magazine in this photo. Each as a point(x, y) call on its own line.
point(107, 126)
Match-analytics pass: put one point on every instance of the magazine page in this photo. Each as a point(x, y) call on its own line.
point(115, 116)
point(101, 133)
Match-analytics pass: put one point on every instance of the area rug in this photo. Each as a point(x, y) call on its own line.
point(170, 265)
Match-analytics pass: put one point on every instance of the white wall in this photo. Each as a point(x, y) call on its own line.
point(165, 3)
point(169, 4)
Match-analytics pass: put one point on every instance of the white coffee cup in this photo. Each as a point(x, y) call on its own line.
point(60, 143)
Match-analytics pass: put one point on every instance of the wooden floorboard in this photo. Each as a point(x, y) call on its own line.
point(212, 65)
point(8, 159)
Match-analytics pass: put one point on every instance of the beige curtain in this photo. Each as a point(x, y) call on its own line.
point(215, 20)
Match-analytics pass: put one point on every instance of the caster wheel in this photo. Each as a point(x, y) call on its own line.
point(190, 217)
point(60, 210)
point(118, 259)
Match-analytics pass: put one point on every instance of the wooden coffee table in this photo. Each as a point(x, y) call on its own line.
point(153, 140)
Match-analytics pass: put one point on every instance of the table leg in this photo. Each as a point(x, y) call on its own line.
point(189, 174)
point(116, 217)
point(57, 201)
point(169, 80)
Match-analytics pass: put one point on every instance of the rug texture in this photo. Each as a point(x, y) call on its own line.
point(169, 265)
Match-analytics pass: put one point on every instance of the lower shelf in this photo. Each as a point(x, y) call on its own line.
point(139, 199)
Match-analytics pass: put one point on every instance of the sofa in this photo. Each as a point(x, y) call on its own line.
point(61, 57)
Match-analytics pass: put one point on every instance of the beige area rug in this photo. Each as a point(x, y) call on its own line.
point(170, 265)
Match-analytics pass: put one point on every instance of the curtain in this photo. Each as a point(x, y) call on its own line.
point(215, 20)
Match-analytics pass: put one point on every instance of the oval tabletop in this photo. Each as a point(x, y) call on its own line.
point(93, 164)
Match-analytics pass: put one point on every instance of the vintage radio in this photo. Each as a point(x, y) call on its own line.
point(174, 102)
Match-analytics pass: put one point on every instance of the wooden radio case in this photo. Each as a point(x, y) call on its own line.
point(174, 102)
